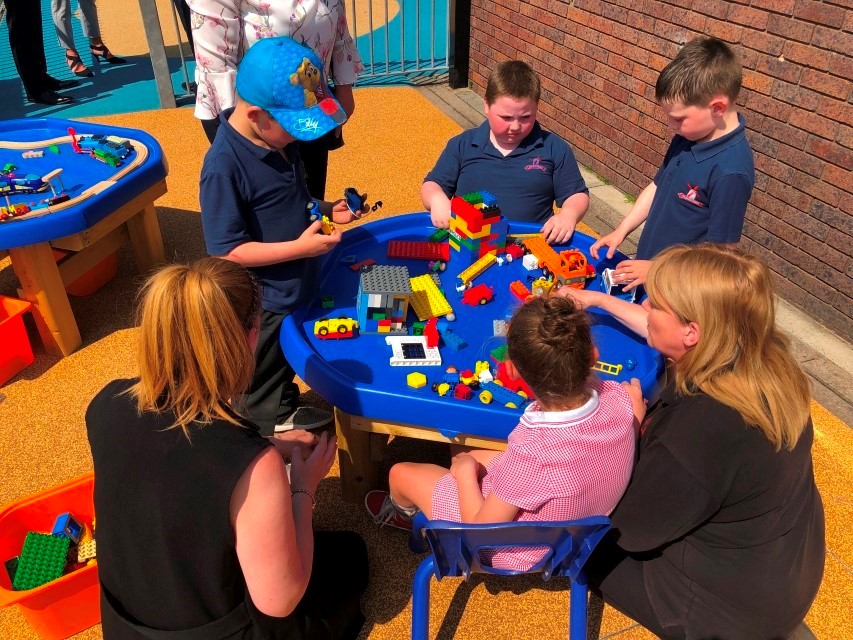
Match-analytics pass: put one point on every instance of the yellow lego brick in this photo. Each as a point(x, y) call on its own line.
point(477, 268)
point(86, 550)
point(383, 329)
point(427, 301)
point(462, 229)
point(416, 380)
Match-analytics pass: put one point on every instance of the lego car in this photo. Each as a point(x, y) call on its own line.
point(336, 328)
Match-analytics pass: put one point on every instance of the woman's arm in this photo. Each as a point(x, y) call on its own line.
point(631, 315)
point(218, 43)
point(275, 543)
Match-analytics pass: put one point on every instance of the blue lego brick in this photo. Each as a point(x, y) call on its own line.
point(488, 199)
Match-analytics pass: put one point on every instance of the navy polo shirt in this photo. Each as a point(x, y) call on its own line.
point(249, 193)
point(702, 191)
point(526, 182)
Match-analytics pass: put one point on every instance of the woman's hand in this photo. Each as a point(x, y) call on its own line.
point(631, 273)
point(638, 404)
point(583, 297)
point(306, 473)
point(285, 442)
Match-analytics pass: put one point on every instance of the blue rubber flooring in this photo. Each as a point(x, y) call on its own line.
point(114, 89)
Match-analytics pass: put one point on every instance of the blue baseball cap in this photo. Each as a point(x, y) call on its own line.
point(285, 78)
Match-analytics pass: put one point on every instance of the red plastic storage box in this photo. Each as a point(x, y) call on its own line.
point(70, 604)
point(16, 352)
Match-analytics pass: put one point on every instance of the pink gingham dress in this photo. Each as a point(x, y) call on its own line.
point(561, 465)
point(224, 29)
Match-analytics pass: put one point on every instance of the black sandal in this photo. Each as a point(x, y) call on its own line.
point(101, 51)
point(77, 67)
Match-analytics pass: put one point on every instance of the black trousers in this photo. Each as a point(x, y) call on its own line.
point(26, 41)
point(273, 395)
point(329, 610)
point(315, 158)
point(184, 14)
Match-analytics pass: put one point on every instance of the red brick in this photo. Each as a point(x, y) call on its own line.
point(757, 82)
point(837, 177)
point(790, 28)
point(832, 39)
point(723, 30)
point(773, 108)
point(777, 6)
point(801, 161)
point(845, 136)
point(779, 68)
point(755, 18)
point(825, 83)
point(830, 151)
point(764, 42)
point(821, 190)
point(819, 12)
point(833, 217)
point(841, 241)
point(785, 133)
point(807, 55)
point(795, 95)
point(787, 194)
point(813, 123)
point(840, 65)
point(763, 144)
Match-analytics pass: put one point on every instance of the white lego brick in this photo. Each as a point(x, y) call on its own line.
point(432, 357)
point(530, 262)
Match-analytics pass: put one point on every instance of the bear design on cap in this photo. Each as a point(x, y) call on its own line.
point(308, 76)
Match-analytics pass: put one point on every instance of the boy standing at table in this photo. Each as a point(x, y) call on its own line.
point(253, 208)
point(701, 190)
point(511, 156)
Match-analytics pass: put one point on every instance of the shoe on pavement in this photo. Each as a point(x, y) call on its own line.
point(305, 418)
point(385, 512)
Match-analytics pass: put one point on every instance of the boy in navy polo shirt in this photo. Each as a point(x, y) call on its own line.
point(525, 167)
point(700, 191)
point(253, 207)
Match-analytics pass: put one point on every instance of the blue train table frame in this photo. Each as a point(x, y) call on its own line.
point(371, 398)
point(107, 207)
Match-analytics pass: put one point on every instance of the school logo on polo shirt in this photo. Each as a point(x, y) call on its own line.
point(692, 195)
point(536, 163)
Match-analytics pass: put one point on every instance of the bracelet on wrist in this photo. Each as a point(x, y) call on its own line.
point(293, 492)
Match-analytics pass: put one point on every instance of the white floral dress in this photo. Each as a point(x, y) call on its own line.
point(224, 29)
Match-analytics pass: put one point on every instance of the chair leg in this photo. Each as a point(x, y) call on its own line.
point(578, 608)
point(420, 599)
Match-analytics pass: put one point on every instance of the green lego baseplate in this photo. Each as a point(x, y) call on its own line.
point(42, 559)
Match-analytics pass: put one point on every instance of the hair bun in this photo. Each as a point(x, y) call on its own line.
point(561, 321)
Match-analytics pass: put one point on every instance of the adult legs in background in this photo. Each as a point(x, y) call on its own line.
point(315, 157)
point(26, 40)
point(272, 396)
point(210, 128)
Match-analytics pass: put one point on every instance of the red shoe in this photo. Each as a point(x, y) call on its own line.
point(385, 512)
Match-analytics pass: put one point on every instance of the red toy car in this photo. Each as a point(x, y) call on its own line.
point(481, 294)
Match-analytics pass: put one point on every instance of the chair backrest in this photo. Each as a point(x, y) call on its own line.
point(456, 546)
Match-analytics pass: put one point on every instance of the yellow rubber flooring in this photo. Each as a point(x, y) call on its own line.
point(391, 143)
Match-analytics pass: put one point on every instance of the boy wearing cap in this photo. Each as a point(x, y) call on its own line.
point(253, 207)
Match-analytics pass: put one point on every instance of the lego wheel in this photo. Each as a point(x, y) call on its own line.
point(510, 405)
point(323, 331)
point(485, 397)
point(342, 329)
point(483, 301)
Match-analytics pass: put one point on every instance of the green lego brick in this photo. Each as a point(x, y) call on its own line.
point(438, 235)
point(499, 354)
point(53, 149)
point(327, 302)
point(473, 198)
point(42, 560)
point(418, 328)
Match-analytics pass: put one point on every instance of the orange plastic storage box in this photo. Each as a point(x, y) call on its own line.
point(16, 352)
point(70, 604)
point(94, 278)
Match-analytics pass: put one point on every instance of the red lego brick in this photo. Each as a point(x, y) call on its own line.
point(520, 291)
point(431, 332)
point(411, 250)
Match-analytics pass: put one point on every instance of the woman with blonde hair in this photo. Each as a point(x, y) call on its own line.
point(720, 533)
point(200, 532)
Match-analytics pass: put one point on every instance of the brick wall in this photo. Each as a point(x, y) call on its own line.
point(599, 60)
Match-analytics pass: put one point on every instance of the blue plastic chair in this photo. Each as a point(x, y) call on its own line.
point(454, 552)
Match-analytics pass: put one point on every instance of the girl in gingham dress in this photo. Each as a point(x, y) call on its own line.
point(570, 456)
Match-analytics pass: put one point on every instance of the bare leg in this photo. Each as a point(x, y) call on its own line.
point(412, 484)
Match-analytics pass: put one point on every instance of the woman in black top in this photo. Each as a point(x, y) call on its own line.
point(200, 532)
point(720, 533)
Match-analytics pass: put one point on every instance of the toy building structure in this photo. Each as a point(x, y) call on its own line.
point(477, 227)
point(384, 293)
